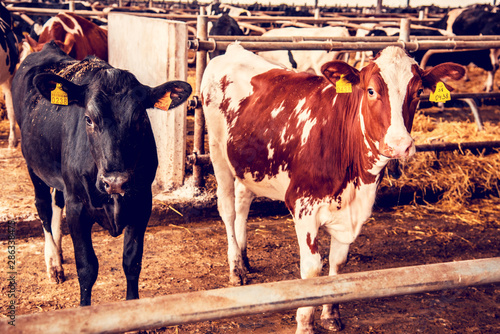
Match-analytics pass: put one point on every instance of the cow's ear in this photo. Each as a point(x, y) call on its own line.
point(336, 69)
point(179, 92)
point(46, 83)
point(442, 72)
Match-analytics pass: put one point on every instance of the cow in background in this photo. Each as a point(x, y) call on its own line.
point(224, 26)
point(32, 24)
point(9, 58)
point(319, 143)
point(86, 135)
point(75, 35)
point(475, 20)
point(304, 60)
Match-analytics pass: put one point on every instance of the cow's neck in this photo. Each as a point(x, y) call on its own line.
point(342, 159)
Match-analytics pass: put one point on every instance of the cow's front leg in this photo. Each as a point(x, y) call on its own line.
point(330, 316)
point(133, 247)
point(310, 266)
point(51, 223)
point(53, 238)
point(87, 266)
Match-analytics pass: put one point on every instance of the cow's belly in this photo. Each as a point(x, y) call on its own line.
point(271, 187)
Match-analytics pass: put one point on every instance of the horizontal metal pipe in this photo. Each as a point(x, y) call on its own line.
point(204, 159)
point(351, 39)
point(456, 96)
point(439, 147)
point(193, 17)
point(216, 304)
point(345, 46)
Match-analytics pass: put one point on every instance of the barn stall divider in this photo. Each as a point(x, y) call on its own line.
point(183, 308)
point(153, 63)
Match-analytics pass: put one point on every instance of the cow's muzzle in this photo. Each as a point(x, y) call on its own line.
point(114, 183)
point(400, 148)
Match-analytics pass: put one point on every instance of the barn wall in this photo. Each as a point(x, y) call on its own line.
point(154, 50)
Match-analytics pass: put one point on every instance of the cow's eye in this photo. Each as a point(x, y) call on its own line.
point(88, 120)
point(371, 92)
point(420, 92)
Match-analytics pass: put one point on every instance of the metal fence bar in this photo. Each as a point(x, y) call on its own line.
point(216, 304)
point(352, 39)
point(335, 45)
point(257, 19)
point(439, 147)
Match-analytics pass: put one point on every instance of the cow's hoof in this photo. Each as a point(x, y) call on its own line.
point(334, 325)
point(237, 278)
point(56, 276)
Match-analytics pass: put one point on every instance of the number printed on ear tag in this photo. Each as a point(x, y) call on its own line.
point(343, 86)
point(164, 102)
point(58, 96)
point(441, 94)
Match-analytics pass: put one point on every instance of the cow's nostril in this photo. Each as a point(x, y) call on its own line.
point(114, 183)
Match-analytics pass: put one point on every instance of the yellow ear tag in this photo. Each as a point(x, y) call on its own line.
point(343, 86)
point(58, 96)
point(164, 102)
point(441, 94)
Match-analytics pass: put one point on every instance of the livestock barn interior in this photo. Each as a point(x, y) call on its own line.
point(441, 205)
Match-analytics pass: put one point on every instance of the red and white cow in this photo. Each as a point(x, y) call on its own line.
point(290, 136)
point(304, 60)
point(75, 35)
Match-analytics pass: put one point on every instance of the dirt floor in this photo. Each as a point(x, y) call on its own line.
point(188, 253)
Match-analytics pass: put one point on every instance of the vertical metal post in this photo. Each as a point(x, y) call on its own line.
point(316, 15)
point(199, 118)
point(71, 5)
point(404, 34)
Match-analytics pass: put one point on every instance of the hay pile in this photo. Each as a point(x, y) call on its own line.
point(459, 175)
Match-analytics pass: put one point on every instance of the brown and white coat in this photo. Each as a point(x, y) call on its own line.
point(290, 136)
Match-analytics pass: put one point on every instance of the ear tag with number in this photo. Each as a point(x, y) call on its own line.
point(441, 94)
point(58, 96)
point(164, 102)
point(343, 86)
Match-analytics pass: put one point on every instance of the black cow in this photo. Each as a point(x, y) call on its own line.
point(473, 21)
point(97, 153)
point(486, 59)
point(224, 26)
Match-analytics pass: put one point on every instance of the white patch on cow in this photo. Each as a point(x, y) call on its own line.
point(326, 88)
point(343, 218)
point(276, 111)
point(363, 130)
point(334, 100)
point(307, 130)
point(379, 164)
point(395, 69)
point(270, 150)
point(302, 114)
point(282, 135)
point(271, 187)
point(76, 30)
